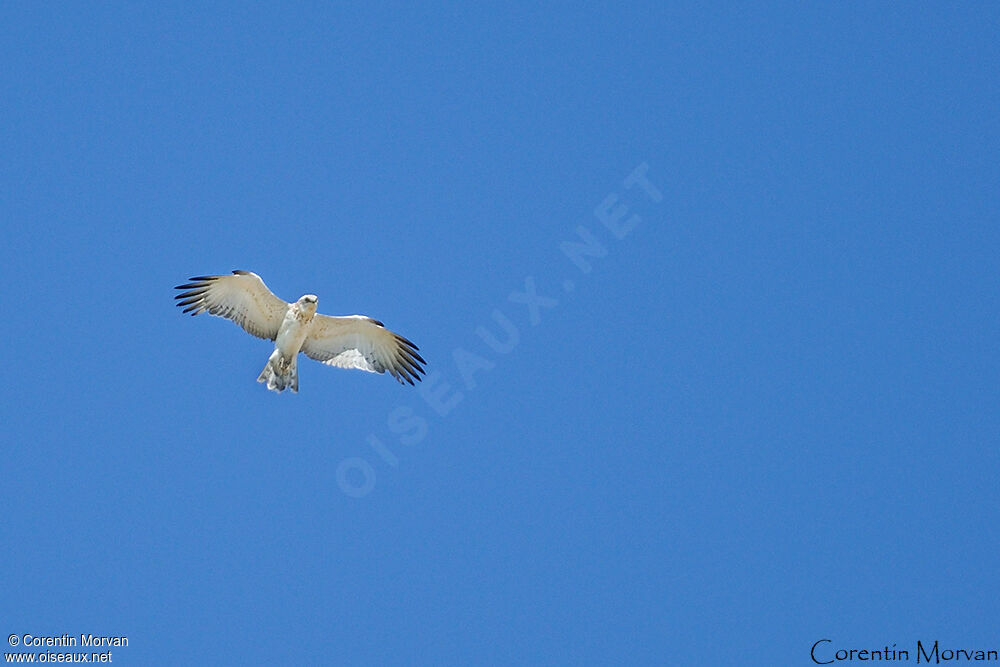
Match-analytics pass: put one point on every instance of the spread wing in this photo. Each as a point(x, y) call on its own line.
point(356, 341)
point(242, 297)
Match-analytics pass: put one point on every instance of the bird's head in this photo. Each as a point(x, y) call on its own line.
point(307, 303)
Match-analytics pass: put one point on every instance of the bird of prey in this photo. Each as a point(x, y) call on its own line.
point(352, 341)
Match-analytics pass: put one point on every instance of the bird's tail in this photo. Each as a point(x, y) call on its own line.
point(280, 373)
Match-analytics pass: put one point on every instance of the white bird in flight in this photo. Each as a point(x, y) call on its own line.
point(351, 341)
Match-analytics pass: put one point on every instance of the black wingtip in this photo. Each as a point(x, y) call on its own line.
point(406, 342)
point(409, 370)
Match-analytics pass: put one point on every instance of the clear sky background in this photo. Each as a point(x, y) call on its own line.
point(766, 416)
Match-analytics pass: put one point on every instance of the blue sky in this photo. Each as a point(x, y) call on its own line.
point(767, 415)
